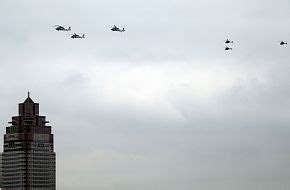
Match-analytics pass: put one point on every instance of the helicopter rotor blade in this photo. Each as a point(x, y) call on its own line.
point(118, 26)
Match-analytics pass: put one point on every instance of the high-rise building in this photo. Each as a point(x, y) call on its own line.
point(28, 158)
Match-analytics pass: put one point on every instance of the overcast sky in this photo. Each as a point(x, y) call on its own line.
point(161, 106)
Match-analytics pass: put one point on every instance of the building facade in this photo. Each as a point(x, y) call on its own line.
point(28, 158)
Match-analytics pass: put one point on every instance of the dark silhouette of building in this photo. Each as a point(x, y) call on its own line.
point(28, 159)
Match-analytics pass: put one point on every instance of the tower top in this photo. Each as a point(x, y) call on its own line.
point(28, 99)
point(28, 107)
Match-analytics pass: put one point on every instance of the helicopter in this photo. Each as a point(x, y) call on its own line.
point(117, 29)
point(283, 43)
point(228, 41)
point(62, 28)
point(77, 36)
point(228, 48)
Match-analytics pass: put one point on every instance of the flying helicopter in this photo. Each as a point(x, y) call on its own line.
point(74, 35)
point(117, 29)
point(228, 41)
point(283, 43)
point(62, 28)
point(228, 48)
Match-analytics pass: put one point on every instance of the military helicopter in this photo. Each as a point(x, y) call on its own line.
point(62, 28)
point(228, 48)
point(228, 41)
point(117, 29)
point(74, 35)
point(283, 43)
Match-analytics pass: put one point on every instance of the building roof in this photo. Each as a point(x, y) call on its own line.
point(28, 99)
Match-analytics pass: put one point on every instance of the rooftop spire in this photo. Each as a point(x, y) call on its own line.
point(28, 99)
point(28, 107)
